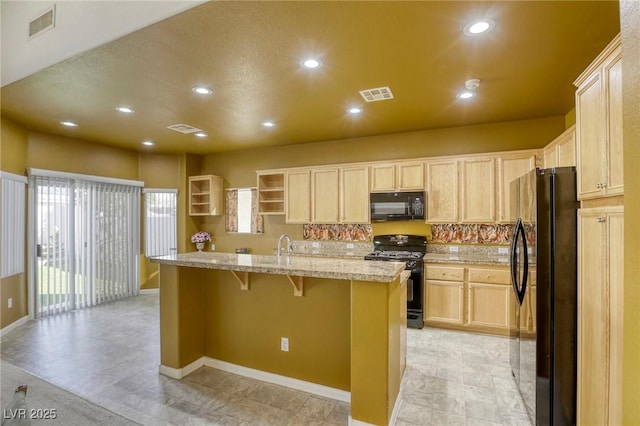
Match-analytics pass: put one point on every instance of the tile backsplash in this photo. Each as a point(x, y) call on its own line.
point(471, 233)
point(338, 232)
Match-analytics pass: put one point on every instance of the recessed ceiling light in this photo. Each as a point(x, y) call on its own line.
point(201, 90)
point(467, 94)
point(311, 63)
point(354, 110)
point(268, 123)
point(69, 123)
point(200, 135)
point(125, 109)
point(478, 27)
point(148, 143)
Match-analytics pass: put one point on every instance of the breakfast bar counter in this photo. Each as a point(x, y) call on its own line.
point(331, 326)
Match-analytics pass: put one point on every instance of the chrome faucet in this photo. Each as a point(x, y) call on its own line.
point(289, 245)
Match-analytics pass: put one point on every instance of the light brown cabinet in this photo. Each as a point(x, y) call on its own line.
point(271, 193)
point(354, 194)
point(478, 190)
point(298, 196)
point(600, 315)
point(401, 176)
point(469, 297)
point(442, 191)
point(510, 167)
point(205, 195)
point(444, 295)
point(325, 200)
point(488, 296)
point(599, 125)
point(561, 152)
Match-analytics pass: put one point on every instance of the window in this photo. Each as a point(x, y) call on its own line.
point(13, 212)
point(242, 211)
point(160, 222)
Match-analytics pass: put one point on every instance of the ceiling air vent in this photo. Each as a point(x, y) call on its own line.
point(43, 22)
point(377, 94)
point(184, 128)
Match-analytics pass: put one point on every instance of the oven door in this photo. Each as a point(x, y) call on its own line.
point(415, 289)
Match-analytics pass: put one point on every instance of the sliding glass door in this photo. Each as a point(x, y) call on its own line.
point(86, 242)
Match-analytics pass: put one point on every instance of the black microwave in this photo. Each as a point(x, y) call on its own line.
point(397, 206)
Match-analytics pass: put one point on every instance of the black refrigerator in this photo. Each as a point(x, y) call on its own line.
point(543, 261)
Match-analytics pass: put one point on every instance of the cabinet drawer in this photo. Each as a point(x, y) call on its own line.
point(492, 276)
point(447, 273)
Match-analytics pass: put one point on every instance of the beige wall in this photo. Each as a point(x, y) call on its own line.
point(156, 171)
point(52, 152)
point(630, 29)
point(238, 167)
point(13, 159)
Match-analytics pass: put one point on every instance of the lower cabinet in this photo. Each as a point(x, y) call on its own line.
point(600, 315)
point(469, 297)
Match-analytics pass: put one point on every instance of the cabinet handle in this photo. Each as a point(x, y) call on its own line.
point(601, 219)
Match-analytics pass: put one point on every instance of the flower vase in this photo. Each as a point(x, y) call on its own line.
point(199, 246)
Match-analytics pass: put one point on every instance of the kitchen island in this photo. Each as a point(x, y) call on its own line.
point(335, 327)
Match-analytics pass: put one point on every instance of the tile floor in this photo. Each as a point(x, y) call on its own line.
point(452, 378)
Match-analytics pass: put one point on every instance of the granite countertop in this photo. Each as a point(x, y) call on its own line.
point(303, 266)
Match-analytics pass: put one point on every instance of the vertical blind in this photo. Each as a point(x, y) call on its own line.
point(13, 212)
point(160, 222)
point(87, 233)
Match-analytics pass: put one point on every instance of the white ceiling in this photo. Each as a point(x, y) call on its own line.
point(80, 26)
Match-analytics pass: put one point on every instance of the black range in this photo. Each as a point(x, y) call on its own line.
point(411, 250)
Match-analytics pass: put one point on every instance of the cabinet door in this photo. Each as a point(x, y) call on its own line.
point(550, 156)
point(444, 301)
point(383, 177)
point(354, 195)
point(442, 191)
point(325, 198)
point(612, 72)
point(593, 319)
point(410, 176)
point(615, 275)
point(298, 196)
point(489, 305)
point(590, 137)
point(478, 201)
point(509, 168)
point(566, 148)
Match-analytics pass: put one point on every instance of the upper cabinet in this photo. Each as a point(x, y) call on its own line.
point(478, 195)
point(561, 152)
point(442, 191)
point(205, 195)
point(400, 176)
point(271, 192)
point(354, 194)
point(510, 167)
point(325, 204)
point(297, 199)
point(599, 125)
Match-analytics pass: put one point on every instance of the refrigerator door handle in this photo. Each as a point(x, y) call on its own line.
point(519, 287)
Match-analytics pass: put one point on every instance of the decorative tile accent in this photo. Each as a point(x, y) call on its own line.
point(344, 232)
point(477, 233)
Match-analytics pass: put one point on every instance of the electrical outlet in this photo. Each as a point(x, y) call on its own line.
point(453, 249)
point(10, 302)
point(349, 245)
point(315, 244)
point(284, 344)
point(503, 250)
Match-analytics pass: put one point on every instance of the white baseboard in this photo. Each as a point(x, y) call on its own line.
point(14, 325)
point(290, 382)
point(149, 291)
point(179, 373)
point(353, 422)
